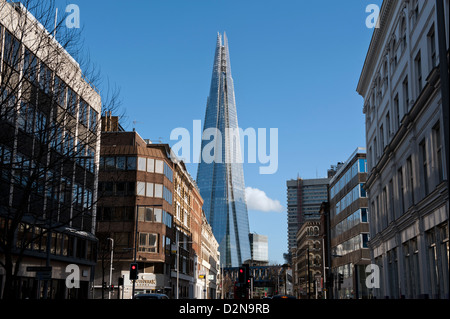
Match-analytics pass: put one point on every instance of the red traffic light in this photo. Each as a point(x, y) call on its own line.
point(133, 267)
point(241, 270)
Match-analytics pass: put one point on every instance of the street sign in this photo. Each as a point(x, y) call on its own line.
point(44, 275)
point(39, 269)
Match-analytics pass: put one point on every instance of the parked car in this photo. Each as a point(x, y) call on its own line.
point(283, 297)
point(151, 296)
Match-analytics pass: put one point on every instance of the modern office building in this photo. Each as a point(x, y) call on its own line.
point(49, 149)
point(135, 221)
point(349, 228)
point(220, 176)
point(304, 197)
point(406, 111)
point(259, 250)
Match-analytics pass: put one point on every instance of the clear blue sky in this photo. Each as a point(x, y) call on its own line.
point(295, 66)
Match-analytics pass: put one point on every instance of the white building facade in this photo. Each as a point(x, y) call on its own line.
point(407, 177)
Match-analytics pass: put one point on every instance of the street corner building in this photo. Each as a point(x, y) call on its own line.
point(221, 181)
point(49, 150)
point(150, 214)
point(404, 83)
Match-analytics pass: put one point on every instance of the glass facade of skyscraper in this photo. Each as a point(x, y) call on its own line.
point(221, 181)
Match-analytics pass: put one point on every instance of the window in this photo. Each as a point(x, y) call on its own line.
point(411, 185)
point(158, 190)
point(140, 188)
point(424, 166)
point(159, 167)
point(375, 151)
point(412, 271)
point(384, 207)
point(365, 240)
point(131, 188)
point(148, 242)
point(150, 165)
point(12, 51)
point(397, 111)
point(444, 255)
point(388, 127)
point(150, 214)
point(60, 93)
point(401, 190)
point(393, 273)
point(120, 188)
point(403, 34)
point(149, 192)
point(41, 126)
point(72, 102)
point(167, 194)
point(406, 95)
point(433, 262)
point(45, 78)
point(110, 162)
point(121, 162)
point(432, 47)
point(142, 163)
point(83, 112)
point(391, 214)
point(418, 63)
point(364, 217)
point(415, 12)
point(30, 65)
point(131, 163)
point(168, 172)
point(382, 137)
point(93, 119)
point(25, 117)
point(437, 150)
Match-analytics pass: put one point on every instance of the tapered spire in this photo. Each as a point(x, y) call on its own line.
point(221, 182)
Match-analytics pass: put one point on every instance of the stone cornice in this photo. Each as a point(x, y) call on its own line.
point(375, 47)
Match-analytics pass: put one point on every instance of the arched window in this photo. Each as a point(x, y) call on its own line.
point(403, 33)
point(316, 231)
point(393, 50)
point(414, 14)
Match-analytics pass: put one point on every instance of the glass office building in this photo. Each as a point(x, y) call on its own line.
point(221, 178)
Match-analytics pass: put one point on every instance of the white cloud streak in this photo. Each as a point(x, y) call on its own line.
point(258, 200)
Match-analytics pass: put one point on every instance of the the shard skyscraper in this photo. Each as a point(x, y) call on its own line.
point(221, 181)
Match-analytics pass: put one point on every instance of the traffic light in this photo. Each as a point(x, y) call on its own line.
point(120, 281)
point(241, 275)
point(340, 280)
point(104, 285)
point(133, 271)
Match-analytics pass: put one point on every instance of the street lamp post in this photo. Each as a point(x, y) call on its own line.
point(111, 267)
point(178, 263)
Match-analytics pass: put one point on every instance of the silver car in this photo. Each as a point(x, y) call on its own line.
point(151, 296)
